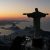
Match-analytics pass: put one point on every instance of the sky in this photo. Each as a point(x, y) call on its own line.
point(14, 9)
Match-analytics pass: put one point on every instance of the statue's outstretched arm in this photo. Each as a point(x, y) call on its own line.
point(26, 13)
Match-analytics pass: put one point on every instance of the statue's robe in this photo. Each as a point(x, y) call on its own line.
point(36, 16)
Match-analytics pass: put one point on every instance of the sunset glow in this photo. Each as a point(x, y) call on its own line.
point(14, 9)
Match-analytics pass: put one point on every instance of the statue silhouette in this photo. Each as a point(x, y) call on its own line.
point(36, 16)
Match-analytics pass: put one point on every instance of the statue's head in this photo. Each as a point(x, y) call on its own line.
point(36, 9)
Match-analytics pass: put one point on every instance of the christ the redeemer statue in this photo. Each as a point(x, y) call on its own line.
point(36, 16)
